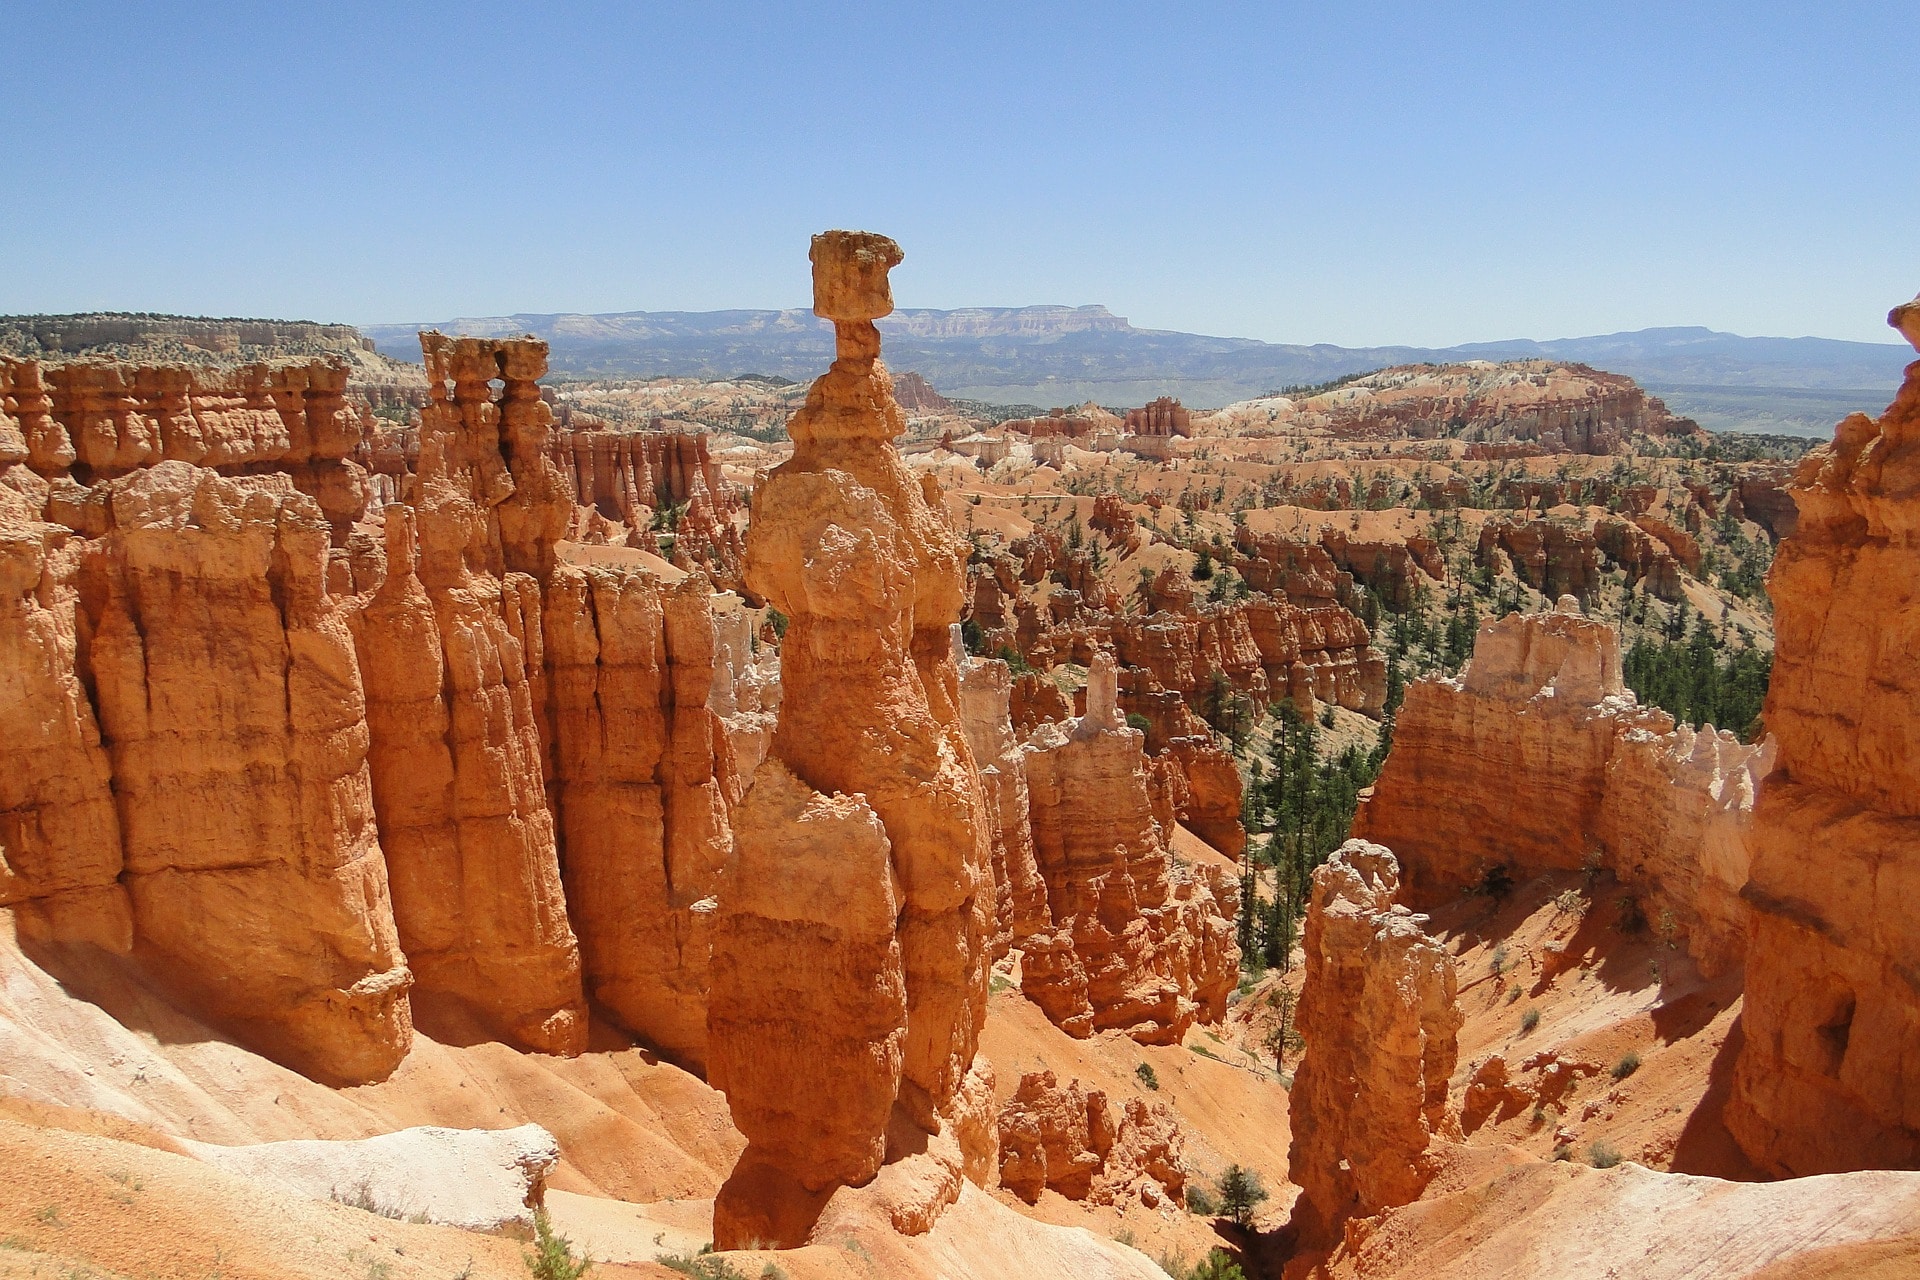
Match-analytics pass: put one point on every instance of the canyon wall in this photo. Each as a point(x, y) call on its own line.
point(1537, 758)
point(1829, 1074)
point(1381, 1023)
point(312, 760)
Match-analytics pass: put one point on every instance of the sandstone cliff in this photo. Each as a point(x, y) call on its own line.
point(1829, 1075)
point(417, 706)
point(1538, 758)
point(1380, 1019)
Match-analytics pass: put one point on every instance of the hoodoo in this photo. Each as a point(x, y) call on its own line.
point(1829, 1075)
point(850, 957)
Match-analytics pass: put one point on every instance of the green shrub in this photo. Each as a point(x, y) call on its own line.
point(1201, 1201)
point(1218, 1265)
point(1529, 1020)
point(1241, 1192)
point(1602, 1155)
point(1626, 1066)
point(552, 1257)
point(701, 1266)
point(1148, 1079)
point(1137, 721)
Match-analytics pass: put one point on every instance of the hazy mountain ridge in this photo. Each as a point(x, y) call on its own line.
point(1065, 355)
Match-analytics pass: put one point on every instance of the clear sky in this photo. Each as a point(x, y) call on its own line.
point(1356, 172)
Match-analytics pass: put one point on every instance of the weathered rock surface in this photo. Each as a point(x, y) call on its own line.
point(60, 845)
point(386, 711)
point(1020, 895)
point(474, 1179)
point(236, 725)
point(1552, 407)
point(1140, 941)
point(1380, 1019)
point(1537, 757)
point(1829, 1074)
point(869, 754)
point(1567, 1220)
point(1078, 1143)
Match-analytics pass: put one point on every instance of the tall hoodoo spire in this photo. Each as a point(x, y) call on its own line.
point(850, 958)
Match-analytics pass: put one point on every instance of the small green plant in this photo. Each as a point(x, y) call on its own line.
point(996, 984)
point(1137, 721)
point(1241, 1192)
point(1602, 1155)
point(1513, 995)
point(1562, 1151)
point(1499, 961)
point(1669, 929)
point(1217, 1265)
point(1201, 1201)
point(552, 1257)
point(702, 1266)
point(50, 1214)
point(772, 1271)
point(1539, 1116)
point(1571, 902)
point(1529, 1020)
point(361, 1197)
point(1627, 1065)
point(1148, 1078)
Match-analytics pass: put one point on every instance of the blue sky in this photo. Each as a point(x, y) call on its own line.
point(1354, 173)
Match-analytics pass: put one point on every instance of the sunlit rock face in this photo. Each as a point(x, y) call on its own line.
point(849, 1009)
point(1829, 1074)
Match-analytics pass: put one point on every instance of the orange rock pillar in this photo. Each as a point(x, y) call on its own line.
point(850, 954)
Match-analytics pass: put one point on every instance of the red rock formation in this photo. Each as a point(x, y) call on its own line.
point(917, 396)
point(1395, 570)
point(1035, 700)
point(1537, 405)
point(1070, 1140)
point(1072, 424)
point(1553, 557)
point(453, 652)
point(628, 475)
point(850, 956)
point(235, 721)
point(1020, 896)
point(387, 703)
point(1829, 1074)
point(1643, 557)
point(1112, 517)
point(1538, 758)
point(1380, 1020)
point(60, 842)
point(1211, 805)
point(632, 665)
point(1140, 942)
point(1164, 417)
